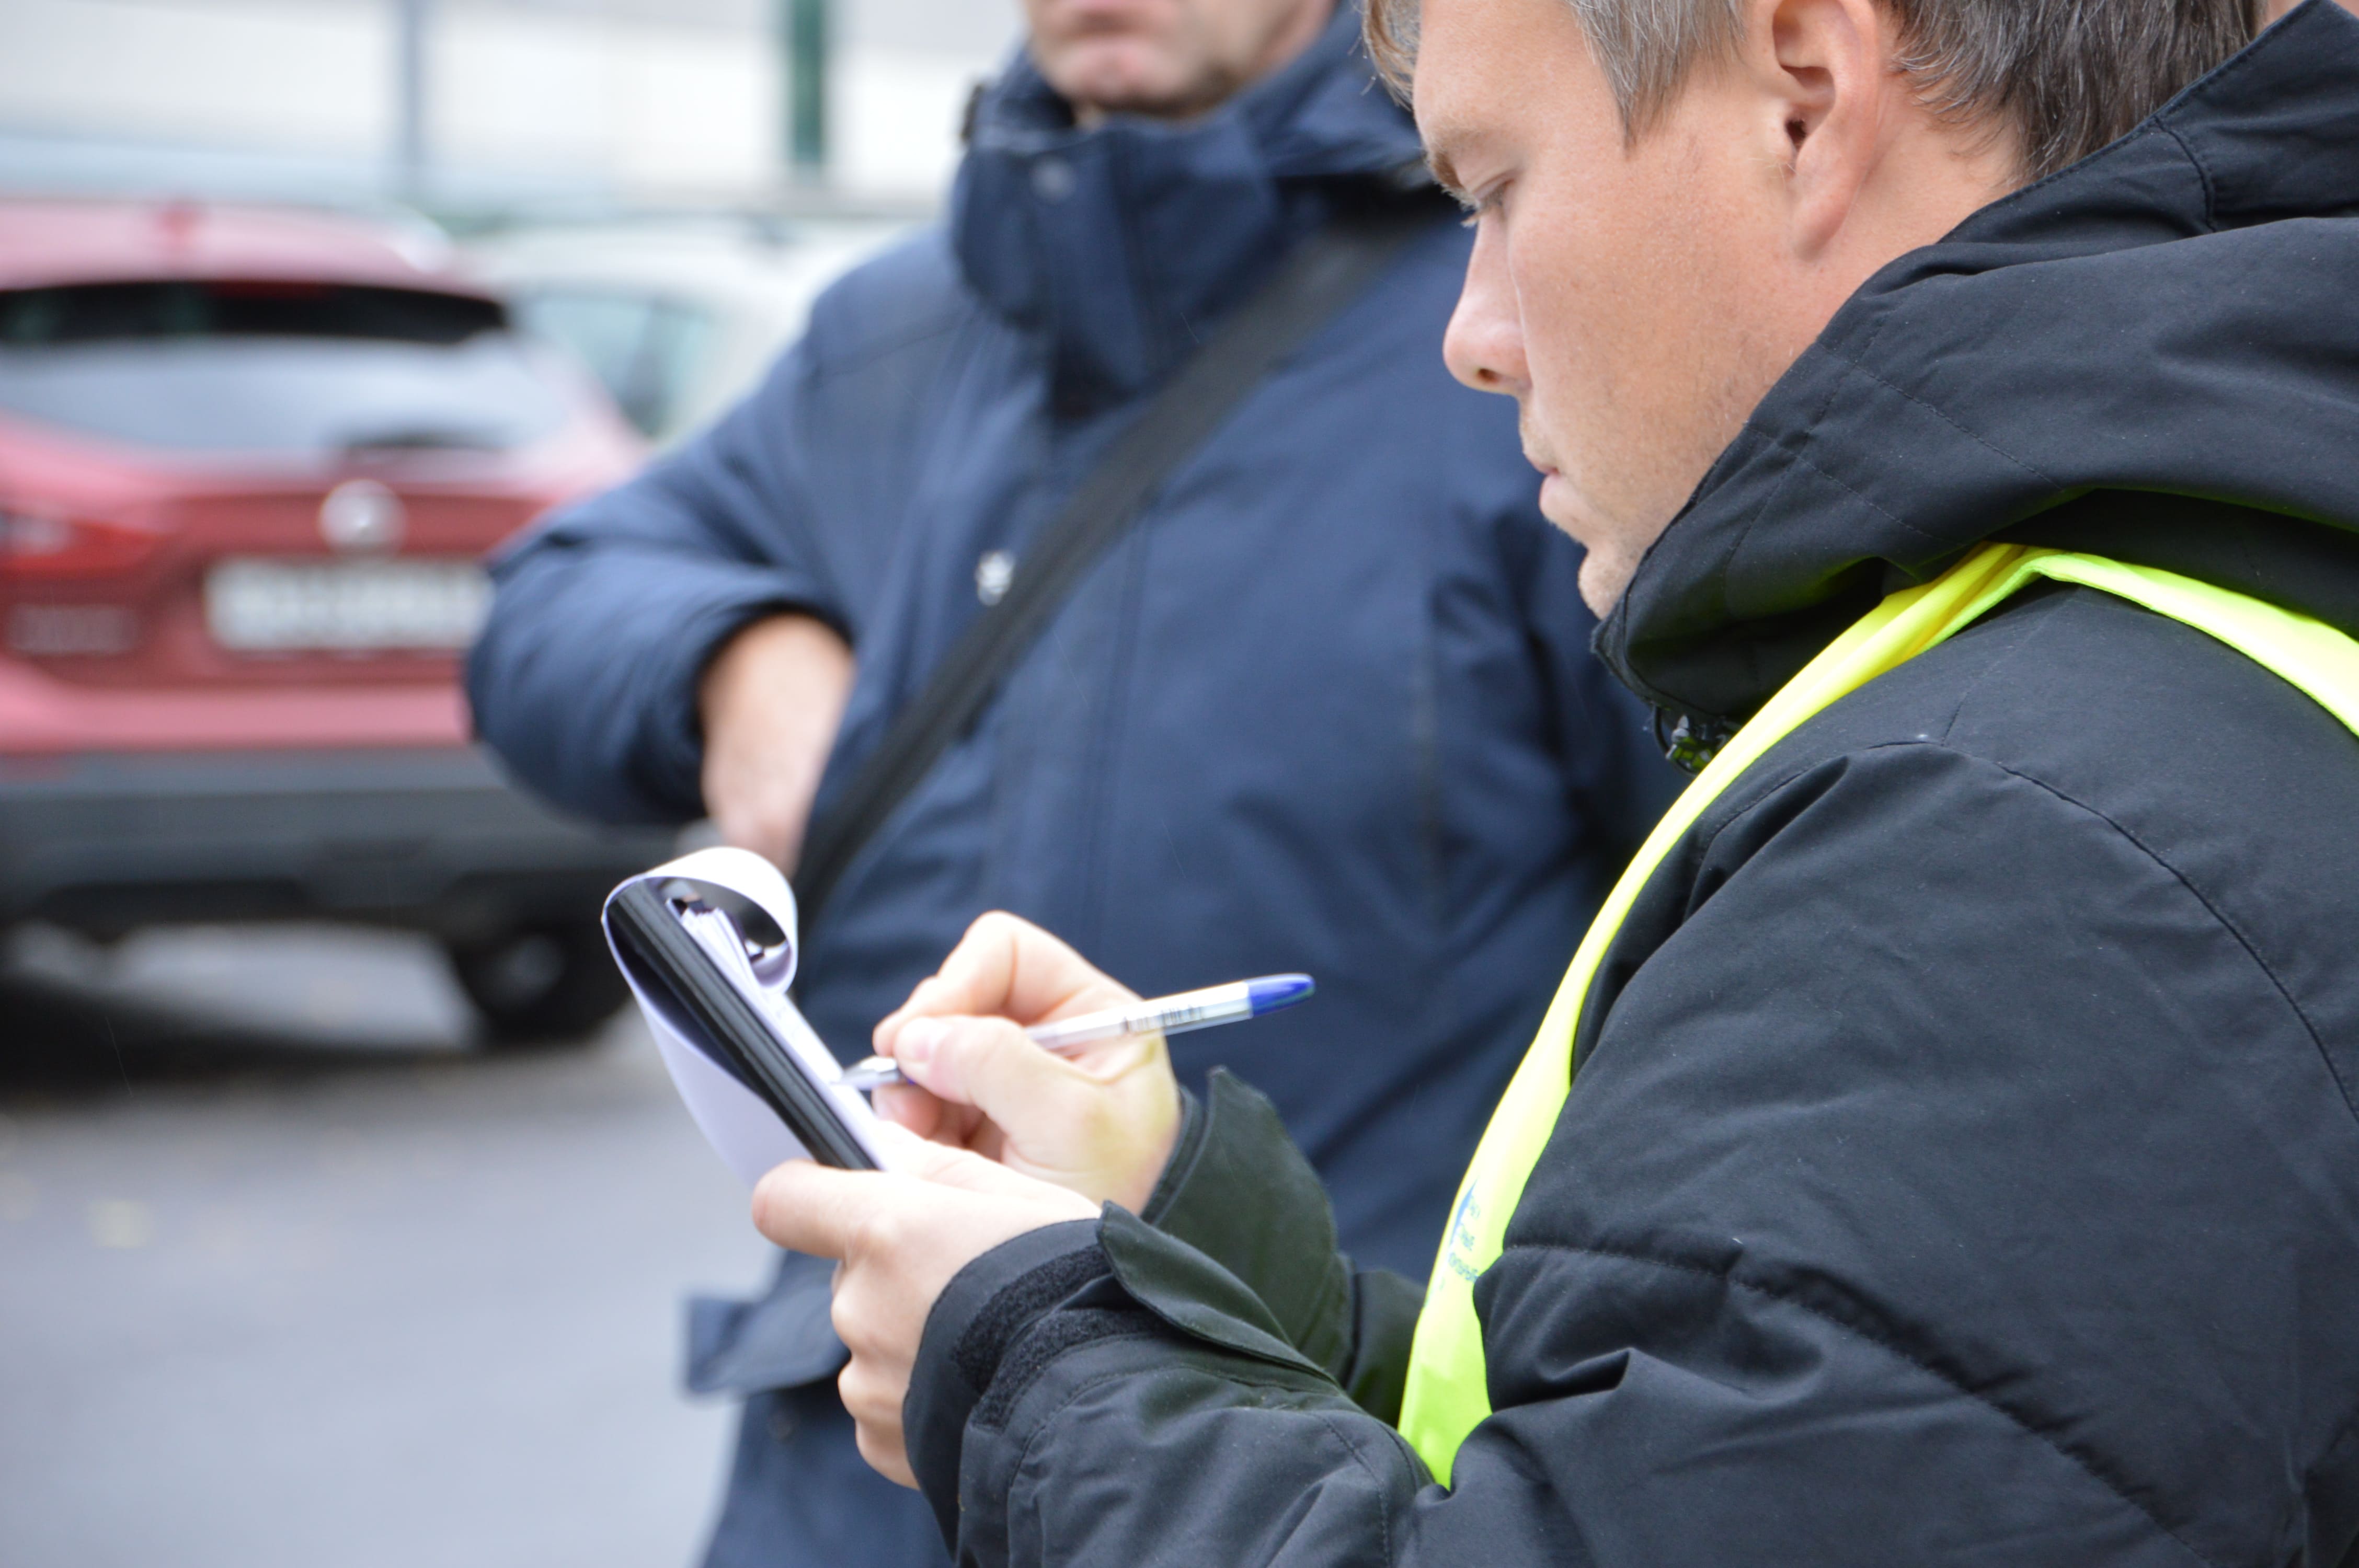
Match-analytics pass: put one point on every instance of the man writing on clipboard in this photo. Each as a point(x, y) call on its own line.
point(1960, 1166)
point(1304, 616)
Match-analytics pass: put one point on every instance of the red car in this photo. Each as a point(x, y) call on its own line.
point(249, 460)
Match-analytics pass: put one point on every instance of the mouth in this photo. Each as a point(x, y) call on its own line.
point(1557, 501)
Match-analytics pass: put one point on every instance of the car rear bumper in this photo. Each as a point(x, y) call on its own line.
point(433, 839)
point(43, 716)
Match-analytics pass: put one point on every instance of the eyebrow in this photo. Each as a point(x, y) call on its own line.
point(1445, 174)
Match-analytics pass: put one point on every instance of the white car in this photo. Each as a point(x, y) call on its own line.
point(678, 316)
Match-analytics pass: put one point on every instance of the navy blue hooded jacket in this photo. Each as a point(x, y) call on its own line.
point(1329, 708)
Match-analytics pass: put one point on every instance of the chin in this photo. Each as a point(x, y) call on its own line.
point(1603, 579)
point(1116, 75)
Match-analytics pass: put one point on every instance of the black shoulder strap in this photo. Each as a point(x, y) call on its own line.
point(1323, 274)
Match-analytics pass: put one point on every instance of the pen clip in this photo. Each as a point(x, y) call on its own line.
point(874, 1073)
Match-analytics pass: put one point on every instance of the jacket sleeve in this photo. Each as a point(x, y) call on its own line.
point(604, 616)
point(1240, 1191)
point(1846, 1252)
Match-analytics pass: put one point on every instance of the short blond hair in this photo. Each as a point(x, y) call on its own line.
point(2066, 76)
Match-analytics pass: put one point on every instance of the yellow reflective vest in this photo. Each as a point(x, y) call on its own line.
point(1446, 1395)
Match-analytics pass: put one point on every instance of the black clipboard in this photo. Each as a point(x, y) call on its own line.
point(645, 925)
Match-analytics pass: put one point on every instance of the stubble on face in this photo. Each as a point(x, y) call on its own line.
point(1168, 60)
point(1654, 444)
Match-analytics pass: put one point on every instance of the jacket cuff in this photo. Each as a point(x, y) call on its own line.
point(1185, 1150)
point(1238, 1191)
point(987, 1306)
point(782, 1339)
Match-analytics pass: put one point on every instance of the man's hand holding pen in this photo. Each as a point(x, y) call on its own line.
point(1019, 1139)
point(1098, 1119)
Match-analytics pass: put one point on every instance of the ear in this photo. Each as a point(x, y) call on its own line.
point(1827, 95)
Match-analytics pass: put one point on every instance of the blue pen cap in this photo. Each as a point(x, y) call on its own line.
point(1271, 992)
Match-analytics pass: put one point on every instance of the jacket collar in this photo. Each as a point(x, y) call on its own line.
point(1121, 243)
point(2170, 316)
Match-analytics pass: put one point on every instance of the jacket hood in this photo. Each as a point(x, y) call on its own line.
point(2096, 361)
point(1119, 243)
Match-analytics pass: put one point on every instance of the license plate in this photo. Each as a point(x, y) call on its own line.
point(254, 606)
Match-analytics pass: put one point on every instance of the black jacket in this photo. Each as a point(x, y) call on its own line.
point(1964, 1165)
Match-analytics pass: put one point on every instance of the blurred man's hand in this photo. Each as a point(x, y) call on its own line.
point(771, 702)
point(1099, 1123)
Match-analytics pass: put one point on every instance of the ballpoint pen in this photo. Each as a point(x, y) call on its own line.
point(1231, 1003)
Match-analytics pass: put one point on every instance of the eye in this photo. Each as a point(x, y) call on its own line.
point(1477, 206)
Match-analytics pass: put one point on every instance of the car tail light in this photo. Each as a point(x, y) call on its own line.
point(48, 545)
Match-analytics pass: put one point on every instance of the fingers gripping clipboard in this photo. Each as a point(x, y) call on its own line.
point(707, 943)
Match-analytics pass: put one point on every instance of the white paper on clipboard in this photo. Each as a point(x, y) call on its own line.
point(745, 1131)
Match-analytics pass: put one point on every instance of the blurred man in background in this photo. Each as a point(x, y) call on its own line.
point(1330, 696)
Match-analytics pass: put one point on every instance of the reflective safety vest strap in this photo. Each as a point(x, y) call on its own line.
point(1446, 1395)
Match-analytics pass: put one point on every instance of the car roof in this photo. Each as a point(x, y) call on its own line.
point(709, 259)
point(44, 243)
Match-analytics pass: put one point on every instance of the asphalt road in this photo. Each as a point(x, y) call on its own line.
point(292, 1273)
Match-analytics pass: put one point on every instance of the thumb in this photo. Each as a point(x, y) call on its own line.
point(808, 1207)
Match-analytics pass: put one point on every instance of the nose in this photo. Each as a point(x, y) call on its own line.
point(1484, 345)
